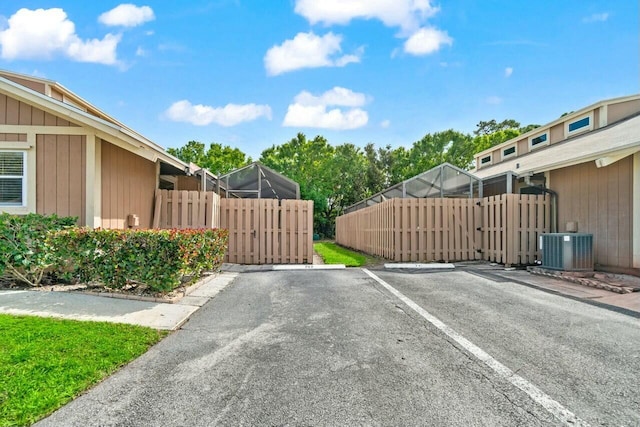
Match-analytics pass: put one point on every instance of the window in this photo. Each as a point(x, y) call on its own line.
point(578, 124)
point(539, 140)
point(13, 178)
point(509, 152)
point(486, 160)
point(581, 124)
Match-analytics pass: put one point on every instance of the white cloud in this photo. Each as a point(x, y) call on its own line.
point(307, 50)
point(596, 17)
point(406, 14)
point(313, 111)
point(140, 51)
point(336, 96)
point(42, 34)
point(229, 115)
point(494, 100)
point(127, 15)
point(99, 51)
point(319, 117)
point(385, 124)
point(508, 71)
point(426, 41)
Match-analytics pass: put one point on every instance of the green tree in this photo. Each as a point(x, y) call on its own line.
point(491, 133)
point(217, 159)
point(486, 141)
point(527, 128)
point(306, 162)
point(434, 149)
point(346, 169)
point(192, 151)
point(333, 177)
point(376, 176)
point(492, 126)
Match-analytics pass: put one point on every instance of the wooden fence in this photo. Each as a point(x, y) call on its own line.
point(261, 231)
point(186, 209)
point(500, 229)
point(511, 225)
point(268, 231)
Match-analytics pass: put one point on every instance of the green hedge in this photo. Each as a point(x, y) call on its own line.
point(157, 258)
point(25, 253)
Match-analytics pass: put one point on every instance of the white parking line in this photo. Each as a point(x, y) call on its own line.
point(540, 397)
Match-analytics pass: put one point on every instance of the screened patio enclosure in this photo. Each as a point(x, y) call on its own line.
point(443, 181)
point(256, 181)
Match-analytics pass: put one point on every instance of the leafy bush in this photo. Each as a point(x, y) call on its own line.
point(156, 258)
point(26, 255)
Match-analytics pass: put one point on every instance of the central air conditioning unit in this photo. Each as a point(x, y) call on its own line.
point(567, 251)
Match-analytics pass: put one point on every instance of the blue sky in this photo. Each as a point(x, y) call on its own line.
point(253, 73)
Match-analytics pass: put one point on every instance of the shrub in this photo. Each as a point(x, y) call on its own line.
point(26, 255)
point(156, 258)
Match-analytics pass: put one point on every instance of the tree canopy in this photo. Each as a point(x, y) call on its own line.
point(217, 158)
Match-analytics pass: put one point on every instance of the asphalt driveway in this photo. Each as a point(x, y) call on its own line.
point(343, 347)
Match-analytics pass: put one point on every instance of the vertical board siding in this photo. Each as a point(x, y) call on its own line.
point(60, 177)
point(128, 187)
point(501, 229)
point(14, 112)
point(600, 201)
point(268, 231)
point(60, 160)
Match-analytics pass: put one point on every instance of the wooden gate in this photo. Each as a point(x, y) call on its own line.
point(511, 225)
point(261, 231)
point(268, 231)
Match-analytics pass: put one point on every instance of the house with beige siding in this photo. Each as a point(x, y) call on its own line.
point(59, 154)
point(589, 160)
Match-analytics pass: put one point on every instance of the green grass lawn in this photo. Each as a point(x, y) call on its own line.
point(44, 363)
point(334, 254)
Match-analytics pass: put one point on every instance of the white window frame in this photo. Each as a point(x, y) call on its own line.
point(514, 154)
point(489, 163)
point(29, 175)
point(540, 144)
point(23, 177)
point(587, 128)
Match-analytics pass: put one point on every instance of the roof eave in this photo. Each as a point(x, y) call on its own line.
point(80, 117)
point(558, 121)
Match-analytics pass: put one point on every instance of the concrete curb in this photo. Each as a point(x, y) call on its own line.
point(173, 300)
point(421, 266)
point(86, 306)
point(285, 267)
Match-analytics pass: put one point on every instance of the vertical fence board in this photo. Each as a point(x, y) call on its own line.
point(268, 231)
point(185, 209)
point(501, 229)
